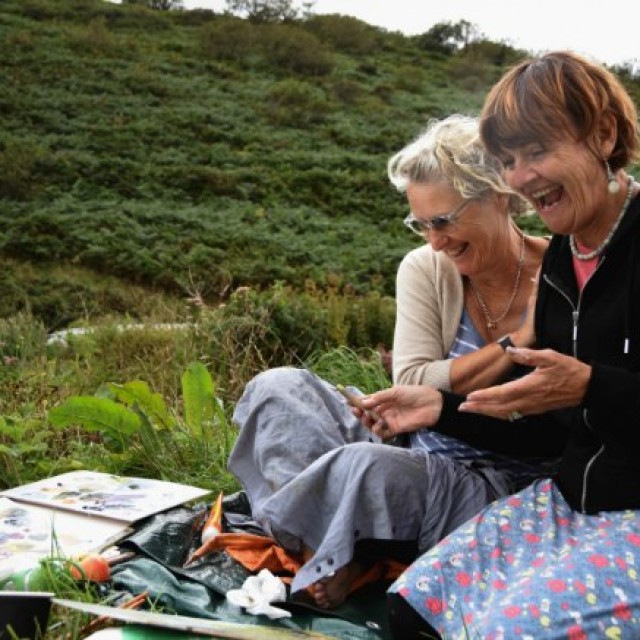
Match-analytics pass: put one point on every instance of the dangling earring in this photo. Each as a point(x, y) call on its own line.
point(613, 185)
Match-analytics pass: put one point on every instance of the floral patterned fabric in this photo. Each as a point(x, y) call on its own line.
point(528, 566)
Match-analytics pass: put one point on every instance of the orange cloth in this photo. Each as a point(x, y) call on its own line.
point(381, 570)
point(252, 552)
point(258, 552)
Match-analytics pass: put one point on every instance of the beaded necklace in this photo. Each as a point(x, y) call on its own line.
point(603, 245)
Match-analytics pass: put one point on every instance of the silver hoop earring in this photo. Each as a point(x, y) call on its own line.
point(613, 186)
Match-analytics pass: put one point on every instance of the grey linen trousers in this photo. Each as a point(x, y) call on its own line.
point(316, 477)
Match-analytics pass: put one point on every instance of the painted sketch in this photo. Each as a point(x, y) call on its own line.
point(105, 495)
point(28, 533)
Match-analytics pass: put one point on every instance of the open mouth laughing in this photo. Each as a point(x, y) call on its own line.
point(546, 198)
point(456, 252)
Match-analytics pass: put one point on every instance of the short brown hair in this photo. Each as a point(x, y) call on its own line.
point(542, 99)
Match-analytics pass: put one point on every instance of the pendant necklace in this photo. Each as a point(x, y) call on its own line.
point(492, 323)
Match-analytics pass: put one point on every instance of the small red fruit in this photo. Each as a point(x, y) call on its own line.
point(93, 567)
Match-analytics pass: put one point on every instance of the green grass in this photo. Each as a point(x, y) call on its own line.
point(36, 378)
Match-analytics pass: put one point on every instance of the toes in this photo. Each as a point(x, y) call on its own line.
point(321, 597)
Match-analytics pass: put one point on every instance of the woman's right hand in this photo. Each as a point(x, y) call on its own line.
point(401, 409)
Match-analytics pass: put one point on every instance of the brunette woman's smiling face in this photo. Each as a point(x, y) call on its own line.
point(565, 181)
point(468, 241)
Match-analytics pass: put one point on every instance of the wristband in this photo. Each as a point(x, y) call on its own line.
point(505, 342)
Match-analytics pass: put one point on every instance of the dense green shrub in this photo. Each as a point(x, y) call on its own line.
point(39, 9)
point(296, 104)
point(290, 48)
point(19, 169)
point(470, 73)
point(95, 38)
point(346, 90)
point(498, 53)
point(344, 33)
point(228, 38)
point(194, 17)
point(283, 48)
point(282, 323)
point(412, 78)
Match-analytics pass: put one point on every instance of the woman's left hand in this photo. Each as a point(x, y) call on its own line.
point(558, 381)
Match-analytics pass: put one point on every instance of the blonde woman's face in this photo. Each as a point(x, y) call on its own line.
point(469, 240)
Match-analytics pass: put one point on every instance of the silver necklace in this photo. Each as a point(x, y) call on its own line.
point(599, 249)
point(492, 323)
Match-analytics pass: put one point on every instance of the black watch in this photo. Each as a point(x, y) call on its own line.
point(505, 342)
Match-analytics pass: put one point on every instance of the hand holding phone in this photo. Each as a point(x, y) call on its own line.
point(352, 396)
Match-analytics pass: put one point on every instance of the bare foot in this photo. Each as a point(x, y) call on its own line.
point(332, 591)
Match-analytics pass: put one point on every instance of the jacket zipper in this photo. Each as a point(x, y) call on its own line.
point(587, 469)
point(575, 314)
point(575, 310)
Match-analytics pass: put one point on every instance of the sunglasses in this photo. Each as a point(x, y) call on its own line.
point(420, 226)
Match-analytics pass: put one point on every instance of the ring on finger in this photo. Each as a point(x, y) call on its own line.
point(514, 415)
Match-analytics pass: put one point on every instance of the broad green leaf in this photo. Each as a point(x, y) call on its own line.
point(95, 414)
point(197, 394)
point(151, 404)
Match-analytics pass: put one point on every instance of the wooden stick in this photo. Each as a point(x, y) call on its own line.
point(122, 557)
point(96, 623)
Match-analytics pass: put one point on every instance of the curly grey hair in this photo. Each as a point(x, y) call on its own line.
point(450, 151)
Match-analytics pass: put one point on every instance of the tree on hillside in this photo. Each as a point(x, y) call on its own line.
point(266, 10)
point(163, 5)
point(447, 37)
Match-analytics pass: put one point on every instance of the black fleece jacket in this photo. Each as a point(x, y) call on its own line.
point(600, 439)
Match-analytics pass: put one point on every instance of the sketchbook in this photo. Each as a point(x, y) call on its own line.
point(104, 495)
point(78, 512)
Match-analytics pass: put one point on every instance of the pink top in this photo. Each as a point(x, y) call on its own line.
point(584, 268)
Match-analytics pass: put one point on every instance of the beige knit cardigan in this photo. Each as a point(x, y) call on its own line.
point(429, 304)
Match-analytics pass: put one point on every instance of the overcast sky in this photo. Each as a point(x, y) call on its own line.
point(606, 30)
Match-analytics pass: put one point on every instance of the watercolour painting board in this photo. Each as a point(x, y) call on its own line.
point(105, 495)
point(29, 533)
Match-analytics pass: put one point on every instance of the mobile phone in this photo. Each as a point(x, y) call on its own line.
point(352, 395)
